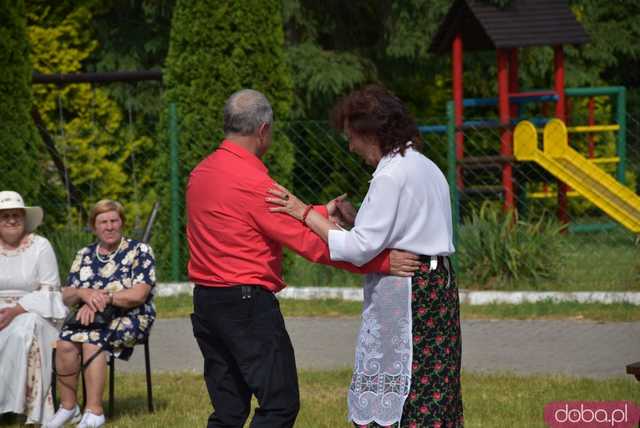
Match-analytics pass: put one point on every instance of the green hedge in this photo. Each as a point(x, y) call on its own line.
point(217, 48)
point(18, 139)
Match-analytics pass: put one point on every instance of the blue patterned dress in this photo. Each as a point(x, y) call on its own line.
point(131, 264)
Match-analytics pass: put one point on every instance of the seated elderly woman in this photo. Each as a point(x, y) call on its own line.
point(113, 273)
point(30, 305)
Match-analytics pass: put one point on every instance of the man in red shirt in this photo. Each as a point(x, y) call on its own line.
point(235, 246)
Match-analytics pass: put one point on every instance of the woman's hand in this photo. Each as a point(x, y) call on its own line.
point(97, 300)
point(286, 201)
point(403, 263)
point(85, 315)
point(8, 314)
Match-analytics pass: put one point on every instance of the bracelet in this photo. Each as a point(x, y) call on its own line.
point(306, 213)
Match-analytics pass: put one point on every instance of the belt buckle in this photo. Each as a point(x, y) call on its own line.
point(246, 291)
point(433, 263)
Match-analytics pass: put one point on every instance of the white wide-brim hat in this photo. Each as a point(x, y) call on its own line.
point(33, 215)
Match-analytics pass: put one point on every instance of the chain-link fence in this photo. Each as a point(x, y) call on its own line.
point(550, 237)
point(562, 211)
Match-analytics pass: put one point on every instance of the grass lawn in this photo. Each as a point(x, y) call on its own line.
point(497, 400)
point(181, 306)
point(616, 312)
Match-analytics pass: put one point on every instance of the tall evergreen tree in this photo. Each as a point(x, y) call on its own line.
point(18, 138)
point(215, 49)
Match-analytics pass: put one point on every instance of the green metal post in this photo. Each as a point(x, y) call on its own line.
point(593, 92)
point(592, 227)
point(621, 146)
point(175, 185)
point(451, 176)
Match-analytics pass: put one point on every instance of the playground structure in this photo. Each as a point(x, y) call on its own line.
point(525, 23)
point(574, 169)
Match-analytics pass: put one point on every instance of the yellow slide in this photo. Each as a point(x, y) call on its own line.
point(618, 201)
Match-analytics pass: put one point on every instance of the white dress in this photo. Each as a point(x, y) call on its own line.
point(29, 277)
point(408, 208)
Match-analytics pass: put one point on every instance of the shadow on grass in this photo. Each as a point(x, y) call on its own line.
point(134, 406)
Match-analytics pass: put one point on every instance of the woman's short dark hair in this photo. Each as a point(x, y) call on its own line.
point(374, 111)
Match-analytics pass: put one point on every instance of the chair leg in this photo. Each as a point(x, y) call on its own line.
point(84, 384)
point(54, 379)
point(112, 385)
point(147, 364)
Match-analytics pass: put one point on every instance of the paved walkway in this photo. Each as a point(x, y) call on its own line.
point(578, 348)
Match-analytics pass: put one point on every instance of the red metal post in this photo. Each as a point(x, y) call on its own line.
point(506, 148)
point(456, 63)
point(592, 122)
point(558, 61)
point(514, 85)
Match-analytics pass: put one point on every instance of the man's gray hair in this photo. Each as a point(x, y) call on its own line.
point(245, 111)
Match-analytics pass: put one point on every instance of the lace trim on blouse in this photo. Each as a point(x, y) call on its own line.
point(25, 244)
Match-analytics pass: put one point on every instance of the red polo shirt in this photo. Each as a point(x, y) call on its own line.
point(234, 238)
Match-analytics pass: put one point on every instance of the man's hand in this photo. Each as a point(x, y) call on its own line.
point(332, 205)
point(347, 212)
point(341, 212)
point(335, 216)
point(403, 263)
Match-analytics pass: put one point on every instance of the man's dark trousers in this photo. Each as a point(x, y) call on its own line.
point(247, 350)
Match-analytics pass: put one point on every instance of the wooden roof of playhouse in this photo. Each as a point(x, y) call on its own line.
point(522, 23)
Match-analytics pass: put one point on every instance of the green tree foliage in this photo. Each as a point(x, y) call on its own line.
point(383, 41)
point(133, 35)
point(19, 141)
point(389, 41)
point(87, 124)
point(98, 145)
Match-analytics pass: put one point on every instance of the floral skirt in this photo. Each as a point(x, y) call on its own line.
point(119, 337)
point(435, 399)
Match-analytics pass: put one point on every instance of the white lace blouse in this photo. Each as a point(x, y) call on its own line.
point(30, 275)
point(407, 207)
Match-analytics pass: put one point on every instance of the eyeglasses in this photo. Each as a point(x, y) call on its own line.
point(7, 217)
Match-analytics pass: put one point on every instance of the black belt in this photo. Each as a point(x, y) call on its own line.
point(244, 291)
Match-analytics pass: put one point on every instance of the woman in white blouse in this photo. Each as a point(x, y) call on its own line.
point(407, 362)
point(30, 305)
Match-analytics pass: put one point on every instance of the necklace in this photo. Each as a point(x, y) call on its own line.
point(111, 255)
